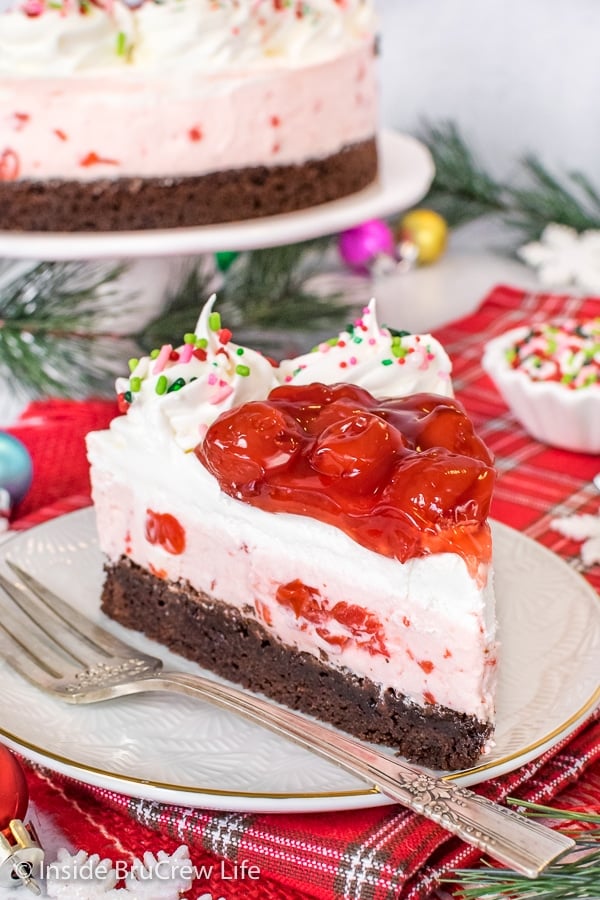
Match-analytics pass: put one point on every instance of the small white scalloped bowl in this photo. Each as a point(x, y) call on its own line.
point(547, 410)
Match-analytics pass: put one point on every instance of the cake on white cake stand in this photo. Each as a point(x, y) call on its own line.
point(155, 261)
point(406, 171)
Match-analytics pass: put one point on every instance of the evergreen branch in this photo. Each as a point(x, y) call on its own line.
point(268, 288)
point(592, 195)
point(262, 289)
point(578, 876)
point(180, 312)
point(461, 189)
point(60, 297)
point(52, 340)
point(549, 200)
point(562, 881)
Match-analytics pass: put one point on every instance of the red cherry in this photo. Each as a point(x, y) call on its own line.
point(446, 425)
point(364, 625)
point(318, 405)
point(437, 488)
point(302, 599)
point(358, 449)
point(397, 476)
point(10, 165)
point(246, 442)
point(164, 529)
point(428, 420)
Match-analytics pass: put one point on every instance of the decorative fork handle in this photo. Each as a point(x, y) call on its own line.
point(508, 837)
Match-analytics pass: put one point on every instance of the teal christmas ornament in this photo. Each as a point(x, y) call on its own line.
point(16, 470)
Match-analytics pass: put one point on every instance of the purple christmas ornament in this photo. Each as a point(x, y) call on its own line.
point(363, 246)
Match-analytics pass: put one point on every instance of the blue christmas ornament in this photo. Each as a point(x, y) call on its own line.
point(16, 469)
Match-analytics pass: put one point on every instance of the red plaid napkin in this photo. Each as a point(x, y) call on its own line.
point(386, 852)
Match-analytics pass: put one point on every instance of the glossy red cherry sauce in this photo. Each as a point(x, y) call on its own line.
point(403, 477)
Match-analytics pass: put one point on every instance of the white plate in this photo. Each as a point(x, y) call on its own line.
point(178, 750)
point(406, 171)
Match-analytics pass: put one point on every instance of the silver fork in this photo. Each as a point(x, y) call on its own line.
point(62, 652)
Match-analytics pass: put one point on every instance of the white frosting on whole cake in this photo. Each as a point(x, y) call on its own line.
point(437, 617)
point(191, 36)
point(183, 87)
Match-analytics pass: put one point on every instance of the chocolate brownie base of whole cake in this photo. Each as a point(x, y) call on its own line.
point(223, 640)
point(132, 204)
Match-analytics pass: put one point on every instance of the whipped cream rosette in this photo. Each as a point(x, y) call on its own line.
point(385, 362)
point(187, 387)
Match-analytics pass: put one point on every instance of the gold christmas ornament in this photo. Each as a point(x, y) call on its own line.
point(427, 231)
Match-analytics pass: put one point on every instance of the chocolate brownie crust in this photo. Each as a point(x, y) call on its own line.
point(238, 648)
point(132, 204)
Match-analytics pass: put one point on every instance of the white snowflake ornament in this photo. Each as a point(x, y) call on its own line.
point(83, 877)
point(564, 258)
point(161, 876)
point(585, 528)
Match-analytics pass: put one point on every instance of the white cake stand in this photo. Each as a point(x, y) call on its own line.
point(406, 171)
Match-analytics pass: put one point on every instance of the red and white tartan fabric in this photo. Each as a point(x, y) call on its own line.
point(375, 854)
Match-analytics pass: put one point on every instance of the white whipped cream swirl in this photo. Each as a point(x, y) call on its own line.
point(384, 362)
point(184, 389)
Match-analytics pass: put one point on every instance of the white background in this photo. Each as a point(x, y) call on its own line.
point(517, 76)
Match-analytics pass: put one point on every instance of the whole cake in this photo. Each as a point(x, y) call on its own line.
point(314, 542)
point(184, 112)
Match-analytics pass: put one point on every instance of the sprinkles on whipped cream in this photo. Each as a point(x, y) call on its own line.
point(362, 332)
point(194, 347)
point(357, 353)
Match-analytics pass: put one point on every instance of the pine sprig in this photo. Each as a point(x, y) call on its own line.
point(53, 336)
point(180, 310)
point(262, 289)
point(547, 200)
point(578, 876)
point(462, 189)
point(268, 288)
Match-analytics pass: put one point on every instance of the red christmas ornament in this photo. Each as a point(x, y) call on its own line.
point(20, 852)
point(14, 794)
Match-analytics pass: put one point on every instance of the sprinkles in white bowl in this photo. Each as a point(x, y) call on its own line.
point(548, 373)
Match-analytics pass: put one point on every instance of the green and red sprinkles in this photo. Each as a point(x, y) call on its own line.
point(399, 344)
point(565, 352)
point(162, 358)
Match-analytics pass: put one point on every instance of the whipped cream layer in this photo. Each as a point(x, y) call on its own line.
point(181, 88)
point(384, 362)
point(436, 624)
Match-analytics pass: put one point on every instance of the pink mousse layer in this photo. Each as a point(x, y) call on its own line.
point(435, 621)
point(177, 125)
